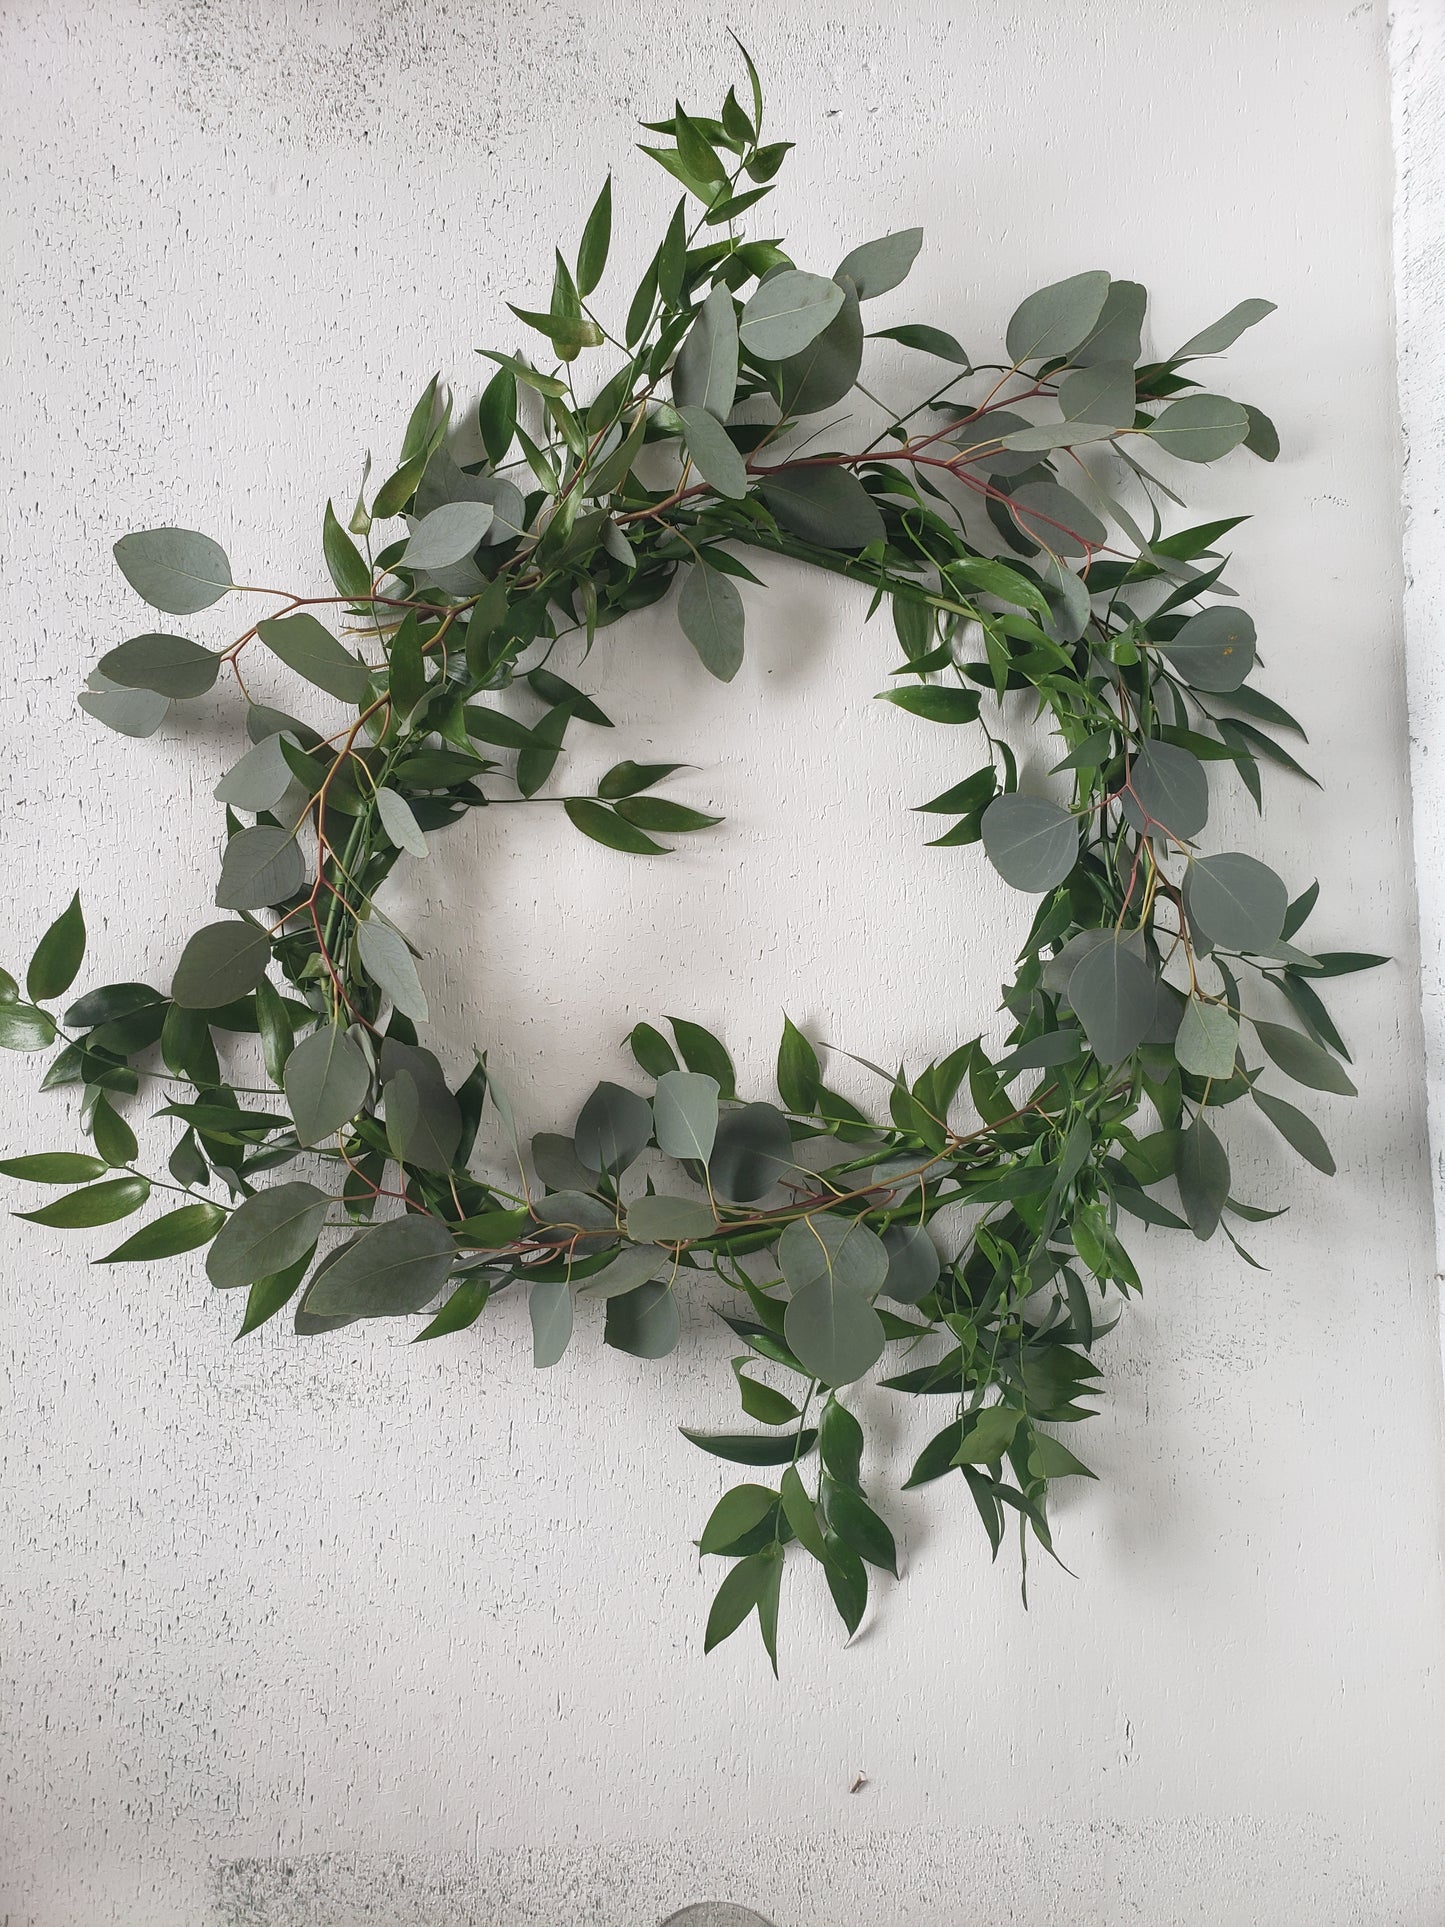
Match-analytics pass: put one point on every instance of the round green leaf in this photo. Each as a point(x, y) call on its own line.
point(787, 311)
point(613, 1128)
point(824, 505)
point(1168, 791)
point(222, 962)
point(1102, 392)
point(1207, 1040)
point(1115, 336)
point(448, 534)
point(574, 1212)
point(752, 1154)
point(833, 1331)
point(1056, 319)
point(259, 780)
point(669, 1221)
point(1214, 651)
point(827, 1247)
point(634, 1265)
point(685, 1109)
point(168, 665)
point(129, 712)
point(1200, 428)
point(392, 1270)
point(262, 865)
point(644, 1323)
point(327, 1078)
point(266, 1233)
point(1235, 901)
point(827, 368)
point(914, 1264)
point(423, 1119)
point(1055, 518)
point(309, 1323)
point(174, 569)
point(399, 823)
point(1031, 842)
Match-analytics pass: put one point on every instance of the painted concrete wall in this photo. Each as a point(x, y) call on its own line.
point(1417, 56)
point(346, 1632)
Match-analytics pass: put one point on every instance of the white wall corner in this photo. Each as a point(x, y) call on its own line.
point(1417, 68)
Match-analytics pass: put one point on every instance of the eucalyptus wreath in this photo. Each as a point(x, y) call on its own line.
point(972, 1229)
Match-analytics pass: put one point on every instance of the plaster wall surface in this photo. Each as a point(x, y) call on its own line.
point(346, 1632)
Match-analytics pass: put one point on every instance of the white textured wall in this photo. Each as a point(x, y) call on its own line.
point(1417, 60)
point(346, 1632)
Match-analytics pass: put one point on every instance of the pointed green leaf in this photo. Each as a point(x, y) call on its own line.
point(387, 960)
point(58, 955)
point(98, 1204)
point(549, 1304)
point(187, 1229)
point(1223, 333)
point(1298, 1131)
point(879, 266)
point(714, 453)
point(1304, 1060)
point(705, 374)
point(314, 653)
point(710, 611)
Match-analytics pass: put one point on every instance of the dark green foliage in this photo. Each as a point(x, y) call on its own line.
point(825, 1236)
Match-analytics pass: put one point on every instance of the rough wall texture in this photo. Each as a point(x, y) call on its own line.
point(309, 1633)
point(1417, 59)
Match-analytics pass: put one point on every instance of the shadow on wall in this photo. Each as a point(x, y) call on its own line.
point(716, 1913)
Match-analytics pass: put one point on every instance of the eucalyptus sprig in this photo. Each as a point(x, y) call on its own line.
point(974, 1223)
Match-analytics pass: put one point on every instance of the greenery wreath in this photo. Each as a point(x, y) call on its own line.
point(1013, 570)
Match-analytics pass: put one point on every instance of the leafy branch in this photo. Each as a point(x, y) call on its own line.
point(975, 1220)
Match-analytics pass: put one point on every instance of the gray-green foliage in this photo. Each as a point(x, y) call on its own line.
point(640, 450)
